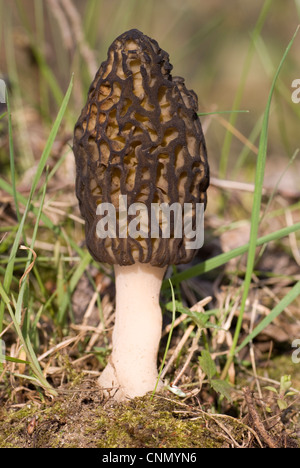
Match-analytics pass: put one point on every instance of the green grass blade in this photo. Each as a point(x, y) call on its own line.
point(19, 305)
point(285, 302)
point(11, 157)
point(51, 139)
point(35, 367)
point(10, 266)
point(169, 339)
point(222, 259)
point(255, 216)
point(48, 223)
point(240, 90)
point(223, 112)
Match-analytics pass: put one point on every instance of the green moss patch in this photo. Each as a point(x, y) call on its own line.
point(81, 417)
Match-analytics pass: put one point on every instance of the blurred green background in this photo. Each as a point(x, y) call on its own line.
point(227, 51)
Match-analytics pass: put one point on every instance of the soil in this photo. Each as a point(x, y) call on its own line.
point(80, 417)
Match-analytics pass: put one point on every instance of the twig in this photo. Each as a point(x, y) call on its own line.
point(200, 413)
point(292, 237)
point(198, 308)
point(78, 33)
point(178, 349)
point(260, 428)
point(247, 187)
point(194, 348)
point(57, 347)
point(62, 22)
point(252, 356)
point(237, 133)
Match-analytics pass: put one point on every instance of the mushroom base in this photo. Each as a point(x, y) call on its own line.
point(132, 369)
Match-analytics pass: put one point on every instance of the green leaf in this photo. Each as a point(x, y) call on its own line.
point(272, 389)
point(290, 394)
point(222, 387)
point(285, 383)
point(207, 364)
point(282, 404)
point(199, 318)
point(178, 307)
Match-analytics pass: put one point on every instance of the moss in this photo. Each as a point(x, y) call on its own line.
point(13, 424)
point(283, 365)
point(144, 423)
point(81, 418)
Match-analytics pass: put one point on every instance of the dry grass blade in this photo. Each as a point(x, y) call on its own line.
point(29, 268)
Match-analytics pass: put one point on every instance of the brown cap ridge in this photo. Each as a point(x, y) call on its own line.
point(138, 135)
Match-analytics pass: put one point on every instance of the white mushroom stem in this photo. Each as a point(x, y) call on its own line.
point(138, 324)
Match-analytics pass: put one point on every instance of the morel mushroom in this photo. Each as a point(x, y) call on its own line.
point(139, 152)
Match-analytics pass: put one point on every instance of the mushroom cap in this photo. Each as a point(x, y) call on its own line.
point(139, 135)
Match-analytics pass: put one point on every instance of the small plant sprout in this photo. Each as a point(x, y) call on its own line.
point(139, 140)
point(284, 391)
